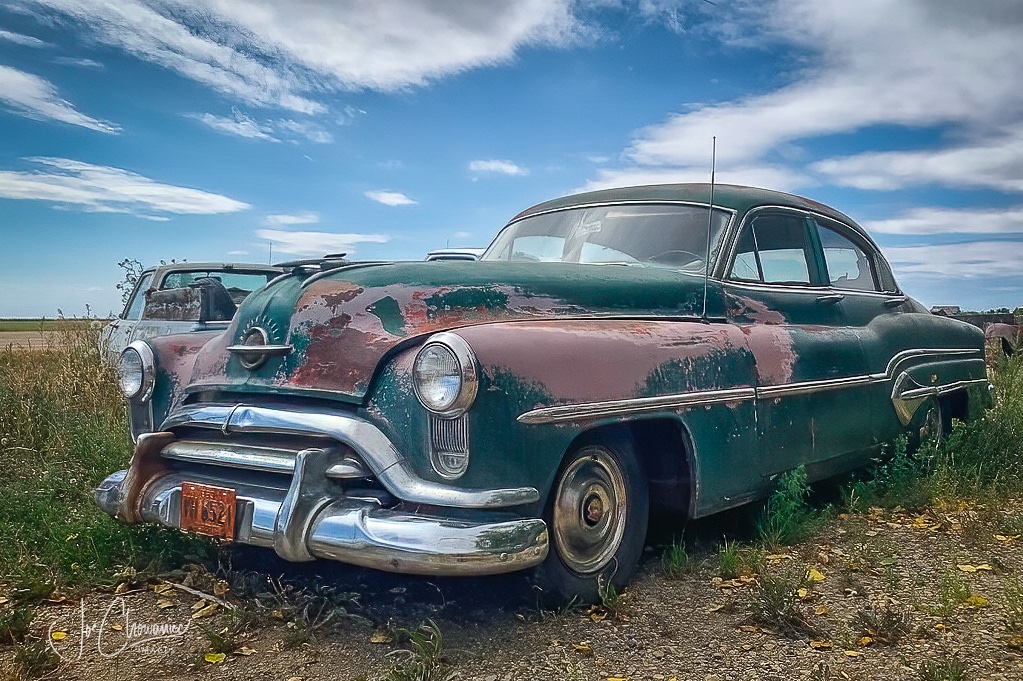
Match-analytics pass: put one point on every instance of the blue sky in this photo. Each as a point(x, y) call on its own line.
point(155, 129)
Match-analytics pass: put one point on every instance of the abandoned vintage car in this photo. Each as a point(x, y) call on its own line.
point(612, 354)
point(160, 304)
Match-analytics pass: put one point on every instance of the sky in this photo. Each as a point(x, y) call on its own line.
point(221, 129)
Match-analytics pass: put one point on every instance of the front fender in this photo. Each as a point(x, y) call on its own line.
point(579, 375)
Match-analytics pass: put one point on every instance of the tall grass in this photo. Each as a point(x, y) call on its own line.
point(988, 451)
point(980, 460)
point(62, 429)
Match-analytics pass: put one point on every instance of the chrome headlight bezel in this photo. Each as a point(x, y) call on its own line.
point(465, 361)
point(147, 371)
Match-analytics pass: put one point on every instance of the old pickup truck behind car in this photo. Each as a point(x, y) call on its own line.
point(144, 318)
point(612, 354)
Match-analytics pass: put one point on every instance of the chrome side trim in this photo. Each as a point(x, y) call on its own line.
point(900, 357)
point(641, 405)
point(390, 467)
point(941, 389)
point(810, 387)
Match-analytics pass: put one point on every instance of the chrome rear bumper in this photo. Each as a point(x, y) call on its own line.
point(302, 526)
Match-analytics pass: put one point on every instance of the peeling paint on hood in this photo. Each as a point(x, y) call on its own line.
point(342, 323)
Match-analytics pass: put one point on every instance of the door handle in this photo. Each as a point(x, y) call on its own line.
point(895, 302)
point(830, 299)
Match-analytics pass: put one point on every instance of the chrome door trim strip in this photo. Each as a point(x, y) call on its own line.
point(941, 389)
point(644, 405)
point(640, 405)
point(810, 387)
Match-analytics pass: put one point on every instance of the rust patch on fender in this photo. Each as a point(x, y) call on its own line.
point(773, 348)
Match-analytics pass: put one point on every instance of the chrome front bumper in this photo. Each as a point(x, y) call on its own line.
point(304, 515)
point(355, 531)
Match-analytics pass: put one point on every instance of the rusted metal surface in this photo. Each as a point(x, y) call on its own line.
point(174, 304)
point(624, 358)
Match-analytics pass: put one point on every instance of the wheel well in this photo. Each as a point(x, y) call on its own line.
point(661, 445)
point(955, 405)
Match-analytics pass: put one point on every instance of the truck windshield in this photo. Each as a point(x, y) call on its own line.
point(672, 236)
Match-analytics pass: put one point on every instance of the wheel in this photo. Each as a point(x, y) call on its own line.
point(597, 520)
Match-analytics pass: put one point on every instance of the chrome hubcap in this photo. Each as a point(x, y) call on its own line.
point(589, 512)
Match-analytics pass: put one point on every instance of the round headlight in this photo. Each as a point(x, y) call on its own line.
point(136, 371)
point(444, 375)
point(130, 373)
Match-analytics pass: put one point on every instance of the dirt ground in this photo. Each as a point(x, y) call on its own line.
point(26, 340)
point(949, 583)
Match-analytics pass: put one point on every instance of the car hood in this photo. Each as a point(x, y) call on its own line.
point(341, 323)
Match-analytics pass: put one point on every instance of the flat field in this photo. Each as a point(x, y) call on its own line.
point(22, 325)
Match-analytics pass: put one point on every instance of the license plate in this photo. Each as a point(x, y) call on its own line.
point(207, 510)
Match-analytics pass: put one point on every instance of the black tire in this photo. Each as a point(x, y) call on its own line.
point(592, 549)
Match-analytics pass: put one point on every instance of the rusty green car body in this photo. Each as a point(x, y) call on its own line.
point(531, 409)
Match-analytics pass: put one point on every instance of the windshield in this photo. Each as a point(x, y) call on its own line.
point(239, 283)
point(672, 236)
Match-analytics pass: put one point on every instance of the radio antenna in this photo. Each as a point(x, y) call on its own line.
point(710, 223)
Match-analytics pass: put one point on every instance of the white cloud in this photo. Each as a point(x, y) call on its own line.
point(37, 98)
point(91, 188)
point(308, 130)
point(976, 260)
point(911, 63)
point(274, 54)
point(196, 43)
point(237, 252)
point(20, 39)
point(995, 163)
point(238, 124)
point(317, 243)
point(390, 198)
point(462, 235)
point(283, 220)
point(75, 61)
point(497, 166)
point(952, 221)
point(243, 125)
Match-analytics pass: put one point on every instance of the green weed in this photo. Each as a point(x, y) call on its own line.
point(14, 623)
point(884, 624)
point(775, 603)
point(676, 561)
point(787, 518)
point(735, 560)
point(423, 660)
point(35, 659)
point(948, 667)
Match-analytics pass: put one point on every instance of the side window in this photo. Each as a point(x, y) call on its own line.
point(138, 300)
point(773, 249)
point(849, 266)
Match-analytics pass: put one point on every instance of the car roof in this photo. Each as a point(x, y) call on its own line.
point(735, 197)
point(226, 266)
